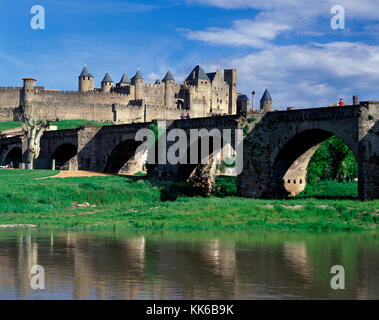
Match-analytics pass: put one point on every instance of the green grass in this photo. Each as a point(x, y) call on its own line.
point(331, 190)
point(8, 125)
point(137, 203)
point(75, 124)
point(62, 125)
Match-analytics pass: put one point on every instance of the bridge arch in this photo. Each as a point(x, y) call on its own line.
point(123, 158)
point(289, 162)
point(14, 155)
point(64, 154)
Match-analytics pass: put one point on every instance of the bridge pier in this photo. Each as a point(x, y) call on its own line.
point(368, 158)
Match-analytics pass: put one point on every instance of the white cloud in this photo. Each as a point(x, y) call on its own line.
point(152, 77)
point(363, 8)
point(243, 33)
point(305, 17)
point(303, 75)
point(309, 76)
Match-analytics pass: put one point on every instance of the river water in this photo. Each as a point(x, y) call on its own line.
point(181, 265)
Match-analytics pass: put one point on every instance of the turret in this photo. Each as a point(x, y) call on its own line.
point(243, 104)
point(138, 82)
point(169, 82)
point(266, 102)
point(125, 81)
point(86, 81)
point(107, 83)
point(29, 83)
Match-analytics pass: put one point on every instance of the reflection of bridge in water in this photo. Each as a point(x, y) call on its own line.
point(185, 266)
point(277, 147)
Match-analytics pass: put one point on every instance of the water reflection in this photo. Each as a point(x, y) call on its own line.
point(125, 265)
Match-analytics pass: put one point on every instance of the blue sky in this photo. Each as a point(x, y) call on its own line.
point(287, 46)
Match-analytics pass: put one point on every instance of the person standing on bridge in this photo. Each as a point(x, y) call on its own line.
point(182, 116)
point(341, 103)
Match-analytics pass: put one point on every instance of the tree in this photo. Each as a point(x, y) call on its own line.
point(333, 160)
point(35, 120)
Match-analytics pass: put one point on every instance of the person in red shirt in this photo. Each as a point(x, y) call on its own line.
point(341, 103)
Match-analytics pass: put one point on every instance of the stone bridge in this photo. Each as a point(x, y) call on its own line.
point(277, 148)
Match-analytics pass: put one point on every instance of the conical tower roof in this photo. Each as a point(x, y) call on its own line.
point(169, 76)
point(138, 76)
point(85, 73)
point(199, 74)
point(107, 78)
point(125, 79)
point(242, 98)
point(266, 96)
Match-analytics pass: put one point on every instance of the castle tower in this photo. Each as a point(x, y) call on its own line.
point(200, 90)
point(86, 81)
point(266, 102)
point(138, 82)
point(243, 104)
point(169, 83)
point(29, 85)
point(125, 81)
point(107, 83)
point(230, 77)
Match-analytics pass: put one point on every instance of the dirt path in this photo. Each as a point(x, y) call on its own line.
point(79, 173)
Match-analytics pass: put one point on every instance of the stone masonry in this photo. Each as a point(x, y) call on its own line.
point(277, 147)
point(130, 100)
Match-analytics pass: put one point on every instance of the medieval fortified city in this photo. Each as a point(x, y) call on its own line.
point(247, 176)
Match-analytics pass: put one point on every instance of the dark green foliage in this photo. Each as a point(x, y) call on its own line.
point(251, 120)
point(171, 191)
point(246, 130)
point(333, 160)
point(370, 117)
point(140, 174)
point(154, 127)
point(226, 186)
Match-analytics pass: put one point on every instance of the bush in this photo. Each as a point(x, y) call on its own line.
point(226, 186)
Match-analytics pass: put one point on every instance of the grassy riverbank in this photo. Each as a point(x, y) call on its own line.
point(137, 203)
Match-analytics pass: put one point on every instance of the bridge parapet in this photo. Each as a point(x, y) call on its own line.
point(327, 113)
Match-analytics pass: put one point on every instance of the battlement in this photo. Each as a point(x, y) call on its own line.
point(52, 92)
point(81, 93)
point(10, 89)
point(161, 107)
point(121, 90)
point(153, 85)
point(136, 103)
